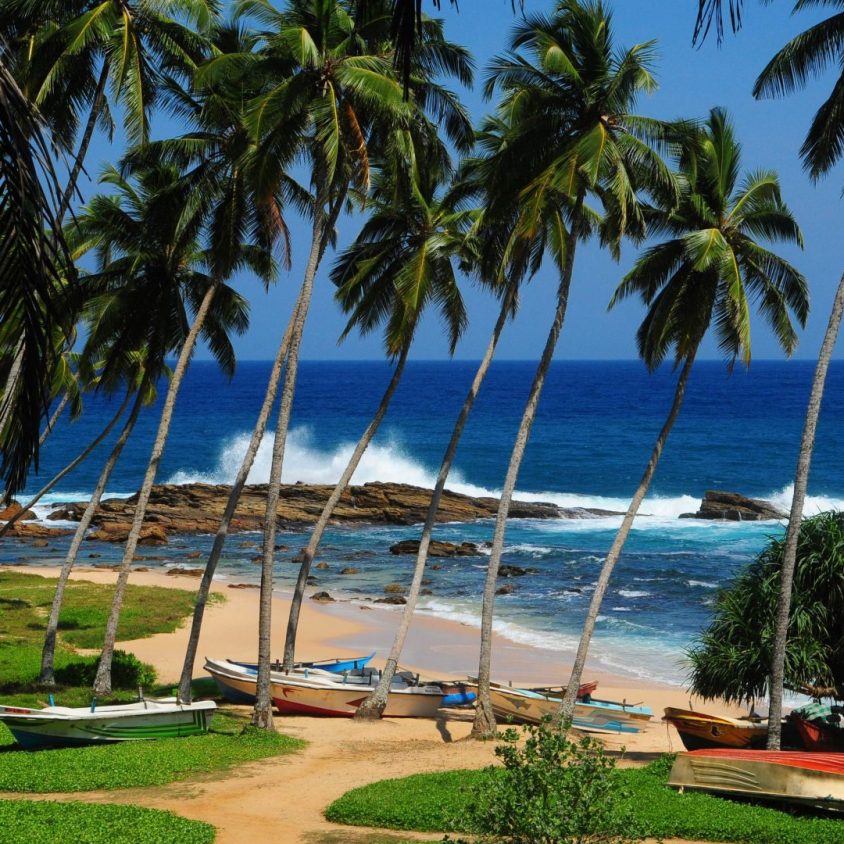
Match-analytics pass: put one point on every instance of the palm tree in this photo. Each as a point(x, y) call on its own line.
point(148, 239)
point(810, 53)
point(401, 262)
point(79, 54)
point(331, 95)
point(31, 313)
point(574, 135)
point(706, 274)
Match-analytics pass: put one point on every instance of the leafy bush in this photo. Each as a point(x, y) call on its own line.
point(552, 791)
point(127, 672)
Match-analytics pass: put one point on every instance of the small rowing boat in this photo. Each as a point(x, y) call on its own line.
point(797, 777)
point(61, 726)
point(699, 731)
point(528, 706)
point(317, 692)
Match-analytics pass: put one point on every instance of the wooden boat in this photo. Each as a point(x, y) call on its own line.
point(334, 666)
point(809, 779)
point(526, 706)
point(61, 726)
point(699, 731)
point(316, 692)
point(820, 727)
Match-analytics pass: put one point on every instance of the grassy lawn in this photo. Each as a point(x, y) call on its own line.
point(142, 763)
point(48, 823)
point(25, 601)
point(437, 803)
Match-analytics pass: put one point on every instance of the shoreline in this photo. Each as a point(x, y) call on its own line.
point(435, 648)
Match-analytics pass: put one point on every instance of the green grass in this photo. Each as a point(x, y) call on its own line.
point(142, 763)
point(25, 601)
point(437, 803)
point(43, 822)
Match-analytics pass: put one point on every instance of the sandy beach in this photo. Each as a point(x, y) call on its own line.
point(253, 800)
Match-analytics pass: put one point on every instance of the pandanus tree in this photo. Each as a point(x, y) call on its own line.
point(331, 96)
point(153, 260)
point(706, 276)
point(810, 53)
point(91, 55)
point(576, 138)
point(402, 262)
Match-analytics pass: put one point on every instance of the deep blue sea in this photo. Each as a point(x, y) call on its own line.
point(595, 428)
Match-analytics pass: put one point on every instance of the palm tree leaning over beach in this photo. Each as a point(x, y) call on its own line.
point(149, 237)
point(502, 261)
point(810, 53)
point(576, 137)
point(706, 275)
point(401, 262)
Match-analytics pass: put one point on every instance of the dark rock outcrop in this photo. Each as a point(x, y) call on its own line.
point(197, 508)
point(730, 506)
point(515, 571)
point(436, 548)
point(321, 597)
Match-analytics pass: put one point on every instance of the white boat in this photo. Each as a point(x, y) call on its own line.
point(527, 706)
point(62, 726)
point(316, 692)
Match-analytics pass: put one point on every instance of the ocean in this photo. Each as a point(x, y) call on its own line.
point(595, 428)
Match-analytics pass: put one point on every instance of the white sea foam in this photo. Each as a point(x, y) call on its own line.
point(814, 503)
point(705, 584)
point(632, 593)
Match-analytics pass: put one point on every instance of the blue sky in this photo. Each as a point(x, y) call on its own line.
point(692, 80)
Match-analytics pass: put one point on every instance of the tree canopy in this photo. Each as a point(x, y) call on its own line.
point(732, 658)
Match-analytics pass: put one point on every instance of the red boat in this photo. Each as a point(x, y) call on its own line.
point(797, 777)
point(820, 727)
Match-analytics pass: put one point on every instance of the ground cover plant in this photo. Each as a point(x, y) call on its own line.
point(45, 822)
point(142, 763)
point(24, 603)
point(441, 803)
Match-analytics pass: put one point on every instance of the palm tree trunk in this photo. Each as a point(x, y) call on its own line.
point(262, 715)
point(484, 723)
point(327, 511)
point(231, 505)
point(47, 677)
point(801, 479)
point(102, 682)
point(567, 708)
point(373, 707)
point(84, 144)
point(51, 422)
point(10, 388)
point(69, 468)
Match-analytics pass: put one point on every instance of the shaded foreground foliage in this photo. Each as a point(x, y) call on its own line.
point(732, 659)
point(142, 763)
point(46, 823)
point(441, 802)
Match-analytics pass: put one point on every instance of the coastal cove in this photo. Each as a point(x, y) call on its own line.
point(587, 449)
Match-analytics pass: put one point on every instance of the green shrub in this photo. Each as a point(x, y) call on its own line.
point(127, 672)
point(552, 791)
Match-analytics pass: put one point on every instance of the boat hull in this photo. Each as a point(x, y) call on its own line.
point(39, 730)
point(527, 707)
point(699, 731)
point(797, 777)
point(817, 737)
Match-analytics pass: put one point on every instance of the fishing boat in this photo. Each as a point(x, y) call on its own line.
point(333, 666)
point(820, 726)
point(797, 777)
point(61, 726)
point(317, 692)
point(699, 731)
point(528, 706)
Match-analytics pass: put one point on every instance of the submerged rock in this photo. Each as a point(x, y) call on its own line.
point(436, 548)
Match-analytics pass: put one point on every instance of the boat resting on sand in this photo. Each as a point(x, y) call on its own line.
point(526, 706)
point(333, 666)
point(699, 731)
point(796, 777)
point(820, 726)
point(316, 692)
point(61, 726)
